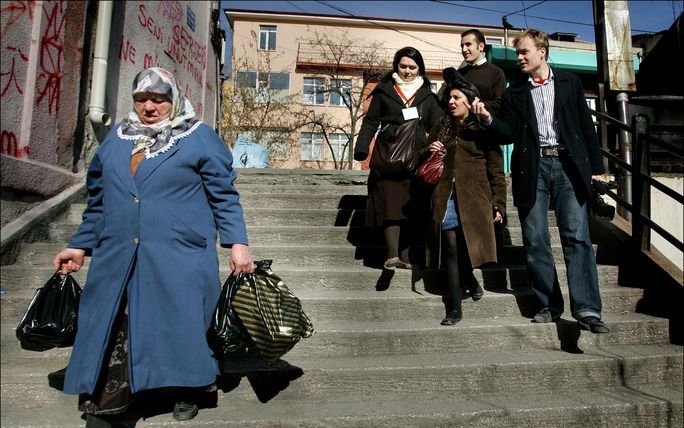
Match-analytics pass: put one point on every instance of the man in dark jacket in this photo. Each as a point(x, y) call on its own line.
point(555, 157)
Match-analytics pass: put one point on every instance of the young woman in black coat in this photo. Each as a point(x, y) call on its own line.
point(393, 198)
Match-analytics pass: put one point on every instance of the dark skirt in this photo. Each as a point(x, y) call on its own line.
point(389, 200)
point(113, 393)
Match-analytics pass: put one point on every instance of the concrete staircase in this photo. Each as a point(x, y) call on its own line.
point(380, 357)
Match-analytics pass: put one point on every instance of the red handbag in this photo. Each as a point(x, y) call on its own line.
point(431, 170)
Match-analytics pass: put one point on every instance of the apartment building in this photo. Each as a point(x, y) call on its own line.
point(314, 65)
point(284, 54)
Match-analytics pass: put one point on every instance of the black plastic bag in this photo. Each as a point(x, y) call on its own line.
point(226, 333)
point(51, 318)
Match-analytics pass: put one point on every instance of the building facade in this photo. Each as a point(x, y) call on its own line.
point(301, 64)
point(319, 64)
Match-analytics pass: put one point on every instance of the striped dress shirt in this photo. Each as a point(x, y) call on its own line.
point(543, 98)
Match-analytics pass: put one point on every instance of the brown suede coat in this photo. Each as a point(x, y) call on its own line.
point(475, 167)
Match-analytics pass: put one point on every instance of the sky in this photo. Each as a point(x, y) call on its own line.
point(549, 15)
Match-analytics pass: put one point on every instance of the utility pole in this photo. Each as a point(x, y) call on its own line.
point(615, 70)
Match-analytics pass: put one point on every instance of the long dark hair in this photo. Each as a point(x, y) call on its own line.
point(468, 89)
point(414, 54)
point(450, 126)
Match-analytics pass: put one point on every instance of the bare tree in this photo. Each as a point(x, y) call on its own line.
point(256, 104)
point(348, 65)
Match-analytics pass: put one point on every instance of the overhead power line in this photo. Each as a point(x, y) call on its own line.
point(532, 16)
point(387, 27)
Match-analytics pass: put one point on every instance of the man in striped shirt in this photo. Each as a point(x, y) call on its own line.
point(555, 156)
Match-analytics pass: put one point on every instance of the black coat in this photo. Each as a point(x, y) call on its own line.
point(518, 124)
point(385, 109)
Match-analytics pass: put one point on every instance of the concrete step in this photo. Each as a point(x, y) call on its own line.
point(397, 303)
point(321, 279)
point(466, 372)
point(295, 216)
point(317, 235)
point(299, 255)
point(351, 338)
point(638, 406)
point(255, 189)
point(301, 177)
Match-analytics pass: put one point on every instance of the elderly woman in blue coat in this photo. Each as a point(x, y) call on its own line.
point(160, 187)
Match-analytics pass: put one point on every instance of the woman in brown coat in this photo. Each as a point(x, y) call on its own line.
point(469, 198)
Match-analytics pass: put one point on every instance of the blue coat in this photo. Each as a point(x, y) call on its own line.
point(153, 236)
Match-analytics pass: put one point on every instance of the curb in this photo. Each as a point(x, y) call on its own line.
point(33, 224)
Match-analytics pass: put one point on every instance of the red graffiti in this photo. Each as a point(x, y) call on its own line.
point(147, 22)
point(10, 146)
point(188, 53)
point(150, 60)
point(51, 56)
point(171, 9)
point(16, 10)
point(127, 50)
point(12, 72)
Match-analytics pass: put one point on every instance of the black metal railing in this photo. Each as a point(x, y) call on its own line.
point(641, 179)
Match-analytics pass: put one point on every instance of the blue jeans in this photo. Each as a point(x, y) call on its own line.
point(555, 188)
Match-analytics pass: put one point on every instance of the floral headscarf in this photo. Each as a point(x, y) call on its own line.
point(159, 137)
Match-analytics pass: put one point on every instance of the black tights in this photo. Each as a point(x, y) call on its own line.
point(392, 234)
point(452, 268)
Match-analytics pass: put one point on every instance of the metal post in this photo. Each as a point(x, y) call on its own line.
point(640, 191)
point(625, 140)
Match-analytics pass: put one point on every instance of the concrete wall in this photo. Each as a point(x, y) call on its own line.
point(669, 214)
point(157, 34)
point(41, 61)
point(45, 82)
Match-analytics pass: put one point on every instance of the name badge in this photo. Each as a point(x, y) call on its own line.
point(410, 113)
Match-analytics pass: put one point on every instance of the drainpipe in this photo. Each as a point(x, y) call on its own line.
point(96, 108)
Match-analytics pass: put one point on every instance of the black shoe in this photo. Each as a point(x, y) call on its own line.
point(593, 324)
point(476, 292)
point(545, 316)
point(452, 318)
point(183, 411)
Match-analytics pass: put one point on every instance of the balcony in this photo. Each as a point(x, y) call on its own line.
point(357, 60)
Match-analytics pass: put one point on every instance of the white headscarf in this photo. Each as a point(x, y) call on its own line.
point(158, 137)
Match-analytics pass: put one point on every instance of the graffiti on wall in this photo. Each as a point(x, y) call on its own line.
point(189, 54)
point(18, 18)
point(8, 79)
point(49, 80)
point(9, 145)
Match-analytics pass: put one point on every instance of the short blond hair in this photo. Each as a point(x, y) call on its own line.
point(538, 37)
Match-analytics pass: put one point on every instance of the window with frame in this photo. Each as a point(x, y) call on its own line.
point(311, 146)
point(313, 91)
point(267, 37)
point(338, 143)
point(340, 90)
point(273, 86)
point(494, 41)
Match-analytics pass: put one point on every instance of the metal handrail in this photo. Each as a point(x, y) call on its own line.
point(642, 181)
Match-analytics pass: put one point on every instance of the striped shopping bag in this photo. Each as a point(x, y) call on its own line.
point(270, 312)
